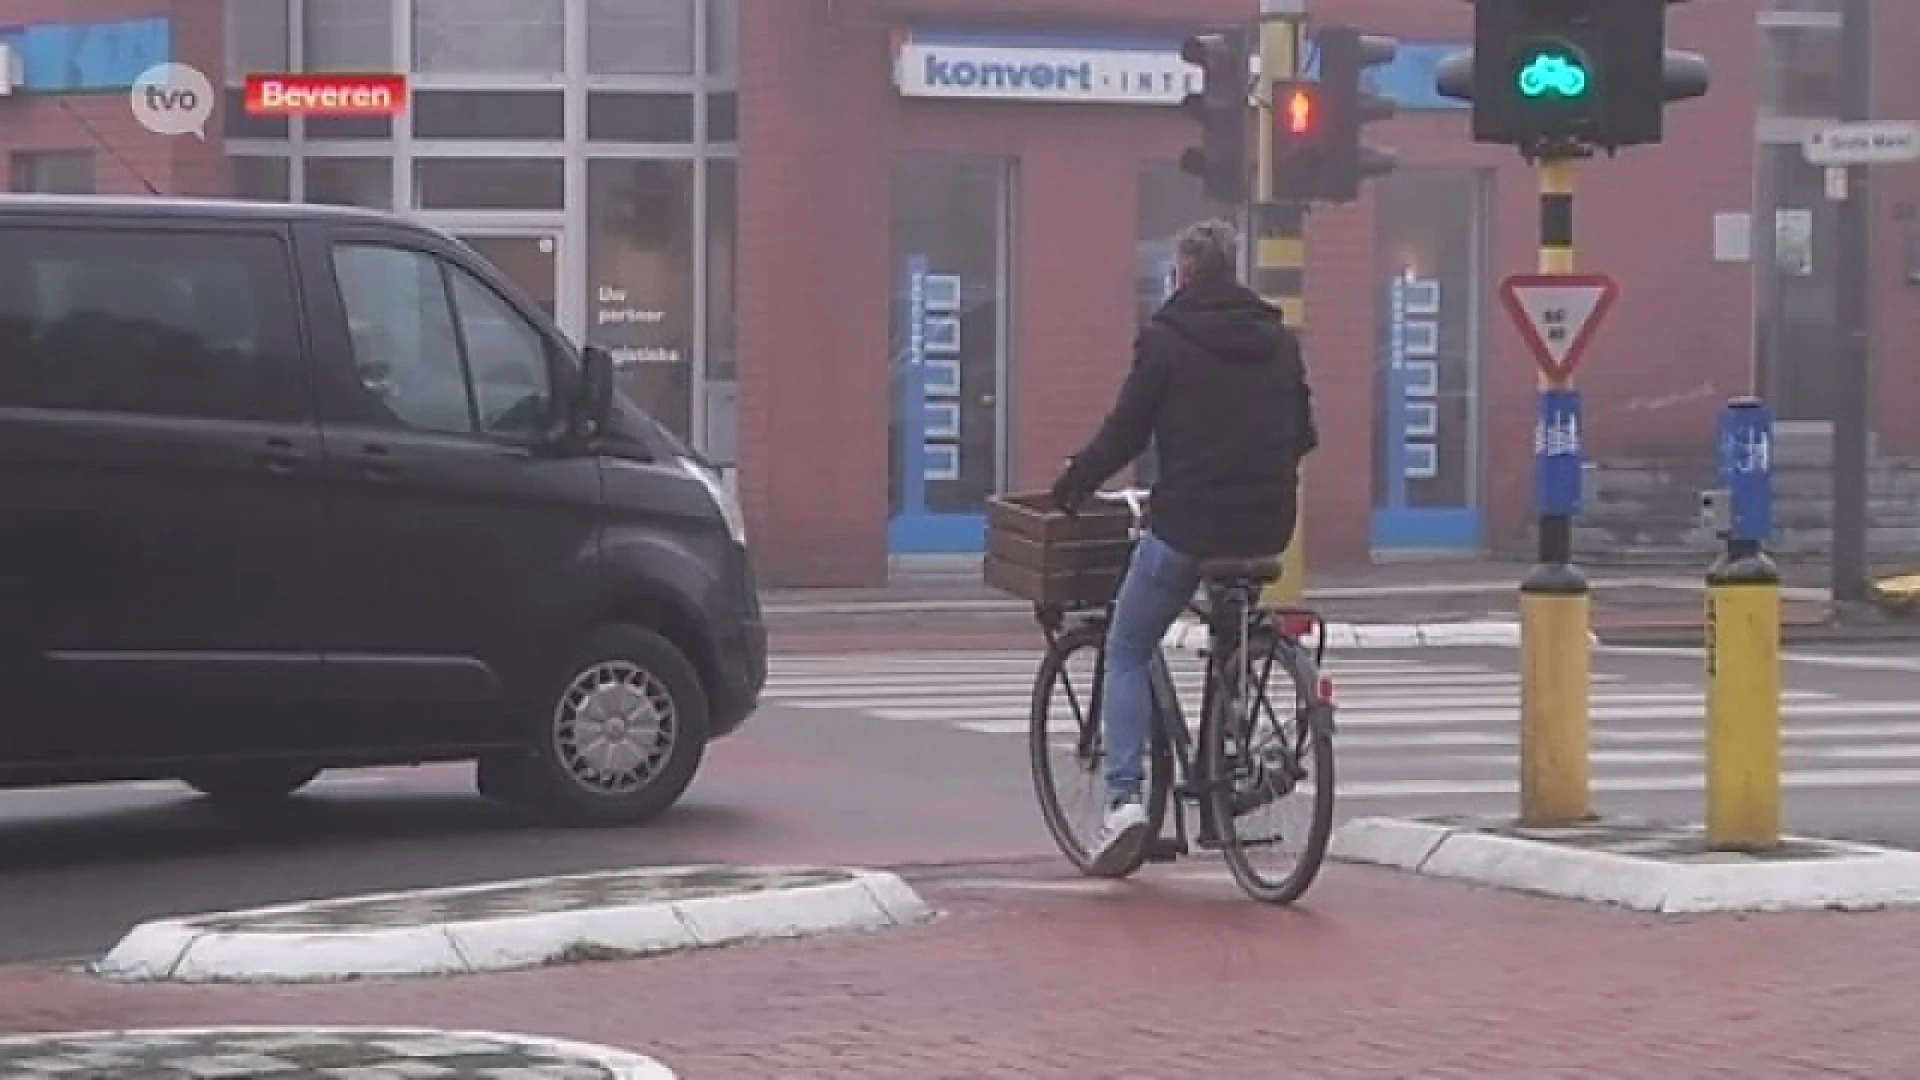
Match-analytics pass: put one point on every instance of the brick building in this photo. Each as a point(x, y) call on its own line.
point(920, 283)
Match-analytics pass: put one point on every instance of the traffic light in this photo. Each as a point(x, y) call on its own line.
point(1345, 55)
point(1301, 150)
point(1220, 108)
point(1562, 77)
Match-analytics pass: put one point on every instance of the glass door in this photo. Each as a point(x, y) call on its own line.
point(1431, 264)
point(951, 226)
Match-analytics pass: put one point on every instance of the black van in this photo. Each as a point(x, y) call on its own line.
point(289, 488)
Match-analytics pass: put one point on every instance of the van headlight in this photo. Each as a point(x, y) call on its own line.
point(723, 499)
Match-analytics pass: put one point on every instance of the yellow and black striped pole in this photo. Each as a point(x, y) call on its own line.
point(1555, 664)
point(1280, 257)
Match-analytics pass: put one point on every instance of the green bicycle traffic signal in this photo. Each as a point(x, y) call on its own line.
point(1552, 72)
point(1564, 78)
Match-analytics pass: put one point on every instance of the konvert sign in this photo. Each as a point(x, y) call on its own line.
point(1089, 69)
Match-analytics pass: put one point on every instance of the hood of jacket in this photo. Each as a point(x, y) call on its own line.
point(1230, 322)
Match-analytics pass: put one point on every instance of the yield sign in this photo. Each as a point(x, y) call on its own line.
point(1557, 314)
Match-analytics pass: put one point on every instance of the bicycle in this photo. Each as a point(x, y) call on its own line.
point(1223, 770)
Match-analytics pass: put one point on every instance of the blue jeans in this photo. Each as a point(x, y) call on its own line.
point(1159, 584)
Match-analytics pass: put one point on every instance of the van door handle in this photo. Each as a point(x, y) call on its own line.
point(376, 462)
point(280, 456)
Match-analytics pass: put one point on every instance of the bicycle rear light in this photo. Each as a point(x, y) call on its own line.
point(1326, 689)
point(1298, 624)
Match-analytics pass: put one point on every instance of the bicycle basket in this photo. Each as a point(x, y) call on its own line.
point(1040, 555)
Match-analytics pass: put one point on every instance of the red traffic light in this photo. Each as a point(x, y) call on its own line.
point(1298, 112)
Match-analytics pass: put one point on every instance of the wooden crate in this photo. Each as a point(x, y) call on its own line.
point(1041, 555)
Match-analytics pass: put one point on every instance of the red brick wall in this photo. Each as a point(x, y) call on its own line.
point(814, 467)
point(820, 124)
point(175, 164)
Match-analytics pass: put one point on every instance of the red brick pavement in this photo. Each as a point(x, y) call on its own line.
point(1382, 975)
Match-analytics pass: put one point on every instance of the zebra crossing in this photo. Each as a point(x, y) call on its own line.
point(1426, 726)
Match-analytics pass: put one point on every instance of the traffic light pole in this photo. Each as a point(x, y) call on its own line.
point(1555, 786)
point(1853, 419)
point(1280, 264)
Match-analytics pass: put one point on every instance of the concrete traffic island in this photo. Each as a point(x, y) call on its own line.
point(297, 1053)
point(514, 924)
point(1638, 865)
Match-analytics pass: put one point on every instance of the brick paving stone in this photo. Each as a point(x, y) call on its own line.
point(1165, 978)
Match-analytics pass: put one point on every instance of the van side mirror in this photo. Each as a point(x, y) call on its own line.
point(593, 398)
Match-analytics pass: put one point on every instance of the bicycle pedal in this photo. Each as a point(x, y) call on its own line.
point(1166, 849)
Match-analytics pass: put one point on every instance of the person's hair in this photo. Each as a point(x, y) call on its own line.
point(1211, 252)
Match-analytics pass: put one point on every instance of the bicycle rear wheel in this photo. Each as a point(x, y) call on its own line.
point(1067, 756)
point(1283, 761)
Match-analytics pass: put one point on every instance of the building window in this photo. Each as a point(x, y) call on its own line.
point(262, 179)
point(158, 323)
point(53, 172)
point(952, 232)
point(348, 35)
point(350, 181)
point(1169, 201)
point(488, 114)
point(640, 281)
point(723, 36)
point(723, 326)
point(489, 184)
point(640, 37)
point(723, 118)
point(258, 38)
point(639, 117)
point(1800, 71)
point(519, 37)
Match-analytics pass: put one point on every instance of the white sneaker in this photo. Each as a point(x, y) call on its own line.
point(1120, 839)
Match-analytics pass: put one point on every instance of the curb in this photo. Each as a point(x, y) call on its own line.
point(1190, 635)
point(1865, 878)
point(195, 949)
point(618, 1064)
point(1804, 634)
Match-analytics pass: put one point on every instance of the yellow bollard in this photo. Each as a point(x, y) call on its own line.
point(1743, 704)
point(1555, 673)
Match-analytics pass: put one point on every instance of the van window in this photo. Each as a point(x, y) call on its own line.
point(160, 322)
point(491, 376)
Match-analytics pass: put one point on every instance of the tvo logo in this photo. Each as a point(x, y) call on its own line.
point(172, 99)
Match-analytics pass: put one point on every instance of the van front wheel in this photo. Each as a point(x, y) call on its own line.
point(621, 735)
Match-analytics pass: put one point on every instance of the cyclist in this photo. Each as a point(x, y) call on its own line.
point(1219, 388)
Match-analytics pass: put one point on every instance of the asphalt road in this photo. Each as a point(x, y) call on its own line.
point(900, 759)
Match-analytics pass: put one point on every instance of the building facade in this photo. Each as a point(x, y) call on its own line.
point(883, 258)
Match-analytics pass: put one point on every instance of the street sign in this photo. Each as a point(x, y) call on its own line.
point(1877, 143)
point(1557, 315)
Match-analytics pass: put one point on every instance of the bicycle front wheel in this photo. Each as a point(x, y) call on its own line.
point(1269, 756)
point(1067, 754)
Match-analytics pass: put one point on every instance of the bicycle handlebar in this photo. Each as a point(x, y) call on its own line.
point(1134, 498)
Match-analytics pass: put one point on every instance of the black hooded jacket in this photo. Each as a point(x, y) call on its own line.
point(1219, 387)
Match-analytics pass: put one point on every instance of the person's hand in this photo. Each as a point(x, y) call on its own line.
point(1068, 497)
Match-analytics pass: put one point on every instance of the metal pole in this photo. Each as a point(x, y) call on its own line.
point(1852, 351)
point(1280, 274)
point(1555, 612)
